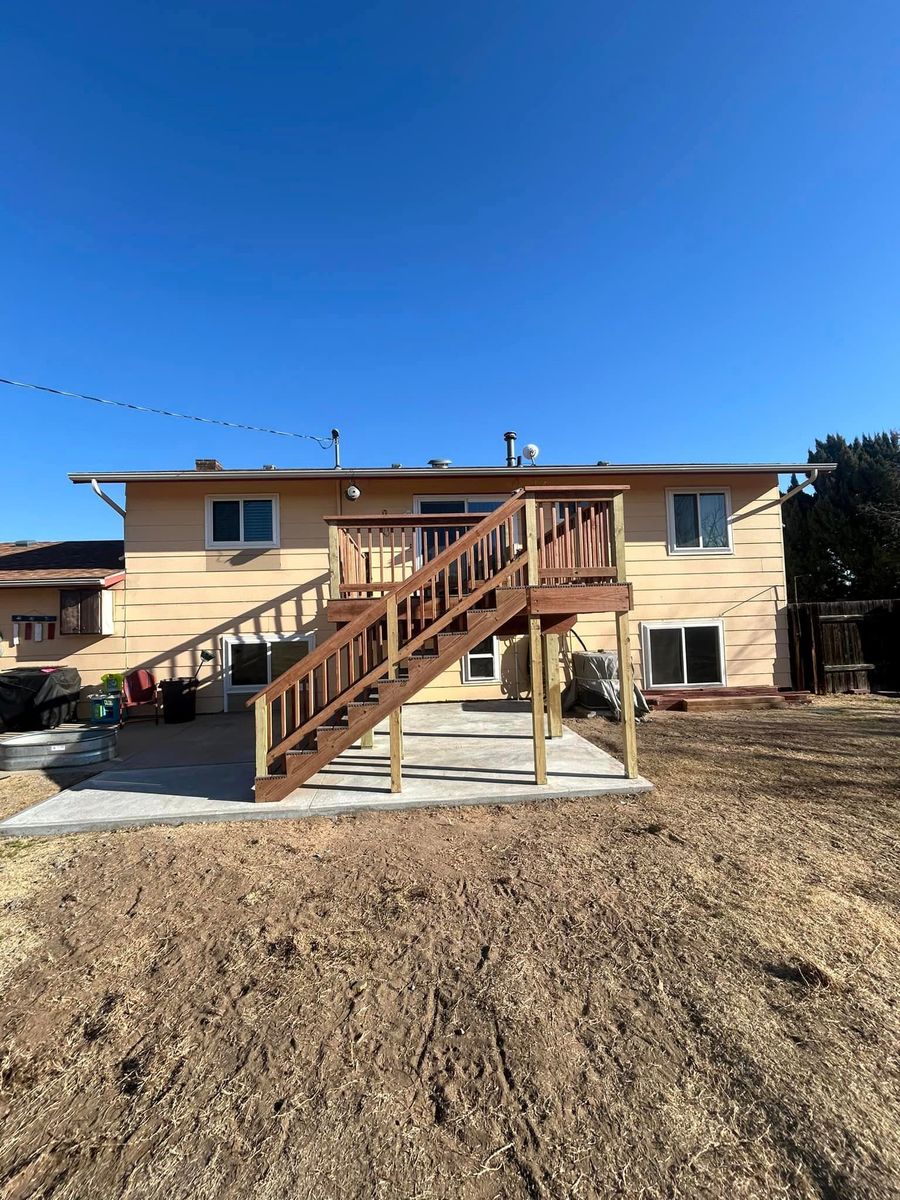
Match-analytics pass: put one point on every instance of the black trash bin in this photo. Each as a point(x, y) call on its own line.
point(179, 700)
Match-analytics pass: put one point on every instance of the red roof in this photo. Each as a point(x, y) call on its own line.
point(63, 562)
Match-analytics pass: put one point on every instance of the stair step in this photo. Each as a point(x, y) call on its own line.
point(328, 735)
point(416, 664)
point(357, 712)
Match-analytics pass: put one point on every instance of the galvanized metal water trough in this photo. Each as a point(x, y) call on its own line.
point(65, 746)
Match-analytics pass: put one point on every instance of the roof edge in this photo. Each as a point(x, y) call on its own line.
point(611, 469)
point(71, 581)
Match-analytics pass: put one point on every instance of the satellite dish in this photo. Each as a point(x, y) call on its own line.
point(531, 451)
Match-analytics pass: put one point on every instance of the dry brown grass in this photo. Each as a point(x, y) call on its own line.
point(690, 994)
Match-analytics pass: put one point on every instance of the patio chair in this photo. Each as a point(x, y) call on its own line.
point(140, 688)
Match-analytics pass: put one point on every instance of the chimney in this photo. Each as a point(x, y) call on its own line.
point(207, 464)
point(510, 448)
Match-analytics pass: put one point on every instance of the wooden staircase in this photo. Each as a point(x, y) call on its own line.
point(378, 661)
point(388, 695)
point(398, 642)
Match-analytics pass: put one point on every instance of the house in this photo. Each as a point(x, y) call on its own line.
point(260, 566)
point(62, 602)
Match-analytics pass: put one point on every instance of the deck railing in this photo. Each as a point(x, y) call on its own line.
point(371, 555)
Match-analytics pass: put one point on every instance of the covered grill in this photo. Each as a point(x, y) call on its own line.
point(38, 697)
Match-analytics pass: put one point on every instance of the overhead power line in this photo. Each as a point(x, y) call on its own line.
point(324, 442)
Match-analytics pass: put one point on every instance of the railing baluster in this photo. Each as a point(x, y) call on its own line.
point(261, 723)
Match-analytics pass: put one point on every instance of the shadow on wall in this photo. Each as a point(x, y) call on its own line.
point(280, 615)
point(58, 650)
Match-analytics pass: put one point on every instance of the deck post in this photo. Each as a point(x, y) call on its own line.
point(396, 751)
point(535, 646)
point(334, 561)
point(396, 727)
point(554, 686)
point(261, 722)
point(623, 647)
point(537, 700)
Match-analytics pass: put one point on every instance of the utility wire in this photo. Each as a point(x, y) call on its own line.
point(324, 442)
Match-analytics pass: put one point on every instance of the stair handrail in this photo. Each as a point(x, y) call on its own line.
point(377, 609)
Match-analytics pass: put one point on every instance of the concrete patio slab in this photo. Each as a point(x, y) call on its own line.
point(476, 753)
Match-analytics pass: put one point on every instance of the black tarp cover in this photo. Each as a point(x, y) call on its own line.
point(38, 697)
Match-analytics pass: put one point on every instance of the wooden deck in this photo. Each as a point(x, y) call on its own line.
point(412, 593)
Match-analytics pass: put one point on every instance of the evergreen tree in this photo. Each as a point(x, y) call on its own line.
point(843, 540)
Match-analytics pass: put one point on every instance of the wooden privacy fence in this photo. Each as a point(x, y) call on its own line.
point(845, 645)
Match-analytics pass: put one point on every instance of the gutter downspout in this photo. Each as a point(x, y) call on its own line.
point(811, 477)
point(98, 491)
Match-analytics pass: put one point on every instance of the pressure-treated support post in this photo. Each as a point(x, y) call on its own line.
point(623, 646)
point(537, 699)
point(334, 561)
point(261, 722)
point(554, 685)
point(535, 646)
point(395, 720)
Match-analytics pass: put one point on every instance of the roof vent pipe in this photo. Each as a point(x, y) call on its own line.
point(439, 464)
point(510, 448)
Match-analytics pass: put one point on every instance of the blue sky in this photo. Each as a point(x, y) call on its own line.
point(635, 232)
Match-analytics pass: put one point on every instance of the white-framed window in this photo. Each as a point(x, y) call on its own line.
point(684, 654)
point(482, 663)
point(251, 661)
point(699, 520)
point(439, 539)
point(242, 522)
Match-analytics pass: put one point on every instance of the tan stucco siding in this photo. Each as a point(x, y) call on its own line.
point(182, 598)
point(92, 655)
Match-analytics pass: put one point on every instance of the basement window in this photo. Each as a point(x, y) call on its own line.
point(252, 661)
point(699, 521)
point(238, 522)
point(683, 654)
point(480, 665)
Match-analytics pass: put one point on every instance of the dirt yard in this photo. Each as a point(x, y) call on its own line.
point(690, 994)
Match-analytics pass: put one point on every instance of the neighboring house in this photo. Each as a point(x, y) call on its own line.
point(237, 562)
point(63, 602)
